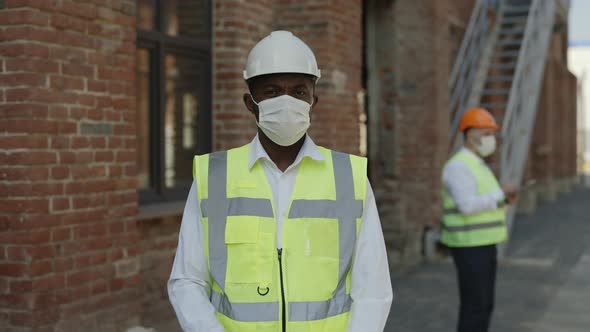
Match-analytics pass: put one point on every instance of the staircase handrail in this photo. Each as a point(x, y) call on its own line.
point(467, 60)
point(524, 93)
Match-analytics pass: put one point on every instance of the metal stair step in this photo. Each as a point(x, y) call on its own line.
point(494, 106)
point(512, 31)
point(511, 39)
point(524, 9)
point(507, 54)
point(514, 19)
point(508, 42)
point(499, 78)
point(517, 2)
point(496, 92)
point(506, 65)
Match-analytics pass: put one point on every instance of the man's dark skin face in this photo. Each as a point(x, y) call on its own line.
point(264, 87)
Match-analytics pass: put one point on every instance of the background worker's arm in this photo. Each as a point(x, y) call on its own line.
point(370, 282)
point(189, 285)
point(462, 186)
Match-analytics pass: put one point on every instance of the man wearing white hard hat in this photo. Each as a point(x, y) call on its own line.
point(281, 234)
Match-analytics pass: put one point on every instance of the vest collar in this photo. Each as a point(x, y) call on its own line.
point(473, 155)
point(309, 149)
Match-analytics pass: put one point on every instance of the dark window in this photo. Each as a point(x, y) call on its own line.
point(173, 62)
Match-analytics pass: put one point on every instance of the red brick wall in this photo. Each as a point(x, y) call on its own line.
point(553, 148)
point(159, 238)
point(459, 14)
point(572, 93)
point(563, 143)
point(380, 55)
point(237, 27)
point(68, 237)
point(414, 119)
point(542, 147)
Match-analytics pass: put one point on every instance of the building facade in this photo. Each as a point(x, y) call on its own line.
point(579, 63)
point(103, 103)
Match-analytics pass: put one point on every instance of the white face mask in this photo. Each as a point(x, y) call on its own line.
point(487, 146)
point(283, 119)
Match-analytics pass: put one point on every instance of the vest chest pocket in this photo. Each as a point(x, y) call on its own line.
point(241, 239)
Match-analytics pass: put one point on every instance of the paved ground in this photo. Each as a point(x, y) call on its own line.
point(543, 283)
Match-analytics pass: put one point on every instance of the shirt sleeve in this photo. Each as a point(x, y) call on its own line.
point(189, 286)
point(371, 289)
point(462, 186)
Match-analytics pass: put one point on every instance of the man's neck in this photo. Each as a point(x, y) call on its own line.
point(471, 148)
point(282, 156)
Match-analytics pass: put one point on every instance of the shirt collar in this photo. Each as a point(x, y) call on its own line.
point(309, 149)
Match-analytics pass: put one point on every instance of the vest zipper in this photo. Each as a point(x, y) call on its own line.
point(284, 310)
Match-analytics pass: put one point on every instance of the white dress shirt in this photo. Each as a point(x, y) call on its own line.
point(189, 286)
point(461, 184)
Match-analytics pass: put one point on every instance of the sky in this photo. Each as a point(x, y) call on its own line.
point(579, 21)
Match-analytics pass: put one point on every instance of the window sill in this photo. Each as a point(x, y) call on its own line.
point(159, 210)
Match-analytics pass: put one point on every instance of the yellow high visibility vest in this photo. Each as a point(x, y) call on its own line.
point(305, 287)
point(479, 229)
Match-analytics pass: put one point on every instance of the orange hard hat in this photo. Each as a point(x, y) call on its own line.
point(477, 118)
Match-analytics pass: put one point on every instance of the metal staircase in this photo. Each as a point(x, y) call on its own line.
point(536, 22)
point(500, 66)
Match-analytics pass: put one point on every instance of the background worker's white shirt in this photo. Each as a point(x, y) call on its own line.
point(461, 184)
point(190, 285)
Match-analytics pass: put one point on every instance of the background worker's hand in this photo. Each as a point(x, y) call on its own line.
point(510, 193)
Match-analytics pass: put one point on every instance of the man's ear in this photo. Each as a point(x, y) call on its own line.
point(250, 104)
point(315, 100)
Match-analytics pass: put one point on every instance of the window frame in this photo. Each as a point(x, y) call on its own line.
point(159, 44)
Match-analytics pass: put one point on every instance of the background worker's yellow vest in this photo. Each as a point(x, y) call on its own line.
point(319, 234)
point(484, 228)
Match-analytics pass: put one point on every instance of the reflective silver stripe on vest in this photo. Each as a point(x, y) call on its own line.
point(243, 206)
point(456, 210)
point(466, 228)
point(451, 211)
point(346, 209)
point(217, 207)
point(245, 312)
point(306, 311)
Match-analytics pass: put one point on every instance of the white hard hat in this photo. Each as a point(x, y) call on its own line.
point(281, 52)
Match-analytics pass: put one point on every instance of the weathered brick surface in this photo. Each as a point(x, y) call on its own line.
point(237, 27)
point(572, 130)
point(334, 31)
point(412, 140)
point(61, 199)
point(542, 147)
point(159, 238)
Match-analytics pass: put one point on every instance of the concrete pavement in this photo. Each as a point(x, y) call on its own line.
point(543, 283)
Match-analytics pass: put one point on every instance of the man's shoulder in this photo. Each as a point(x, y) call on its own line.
point(222, 152)
point(340, 153)
point(456, 163)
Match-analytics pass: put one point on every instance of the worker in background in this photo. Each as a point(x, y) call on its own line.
point(281, 234)
point(474, 218)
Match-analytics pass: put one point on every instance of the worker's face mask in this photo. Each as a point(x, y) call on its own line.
point(486, 146)
point(283, 119)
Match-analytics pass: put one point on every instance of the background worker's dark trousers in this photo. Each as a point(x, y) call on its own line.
point(476, 272)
